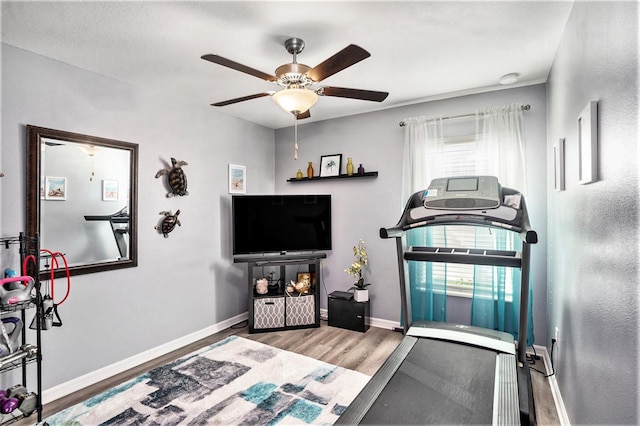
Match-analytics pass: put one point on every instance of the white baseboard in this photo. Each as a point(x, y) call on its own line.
point(553, 384)
point(104, 373)
point(383, 323)
point(324, 314)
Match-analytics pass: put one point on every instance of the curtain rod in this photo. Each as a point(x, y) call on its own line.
point(524, 108)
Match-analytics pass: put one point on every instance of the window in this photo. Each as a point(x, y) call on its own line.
point(460, 278)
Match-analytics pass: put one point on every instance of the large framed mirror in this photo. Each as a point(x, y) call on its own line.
point(82, 199)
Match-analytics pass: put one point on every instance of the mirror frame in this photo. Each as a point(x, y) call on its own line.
point(33, 209)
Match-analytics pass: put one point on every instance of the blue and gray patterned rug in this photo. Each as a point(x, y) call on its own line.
point(233, 382)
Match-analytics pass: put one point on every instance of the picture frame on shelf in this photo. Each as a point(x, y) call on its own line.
point(110, 190)
point(237, 179)
point(303, 276)
point(588, 144)
point(330, 165)
point(55, 188)
point(310, 276)
point(558, 162)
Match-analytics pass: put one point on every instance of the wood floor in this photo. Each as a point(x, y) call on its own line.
point(363, 352)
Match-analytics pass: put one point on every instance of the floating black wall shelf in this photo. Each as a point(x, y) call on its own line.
point(345, 176)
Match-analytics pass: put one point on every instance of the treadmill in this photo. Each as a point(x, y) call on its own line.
point(119, 222)
point(444, 373)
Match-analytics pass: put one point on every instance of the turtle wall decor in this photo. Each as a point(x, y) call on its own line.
point(168, 223)
point(176, 178)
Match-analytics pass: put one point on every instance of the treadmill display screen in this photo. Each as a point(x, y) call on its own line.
point(462, 184)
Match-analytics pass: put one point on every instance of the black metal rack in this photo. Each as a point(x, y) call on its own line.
point(27, 354)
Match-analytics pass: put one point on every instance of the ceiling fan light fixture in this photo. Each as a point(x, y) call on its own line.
point(509, 78)
point(90, 150)
point(295, 100)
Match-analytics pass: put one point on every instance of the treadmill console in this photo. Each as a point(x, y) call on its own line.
point(463, 193)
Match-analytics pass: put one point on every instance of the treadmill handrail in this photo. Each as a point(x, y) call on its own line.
point(527, 234)
point(480, 217)
point(107, 218)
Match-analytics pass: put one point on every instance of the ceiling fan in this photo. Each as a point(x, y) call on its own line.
point(298, 81)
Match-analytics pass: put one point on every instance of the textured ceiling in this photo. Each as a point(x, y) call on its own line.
point(420, 50)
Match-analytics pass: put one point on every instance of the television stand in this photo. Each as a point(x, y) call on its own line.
point(278, 310)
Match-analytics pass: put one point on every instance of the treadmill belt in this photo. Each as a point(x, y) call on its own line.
point(438, 382)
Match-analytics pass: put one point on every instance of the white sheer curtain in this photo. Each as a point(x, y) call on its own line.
point(500, 145)
point(423, 146)
point(423, 151)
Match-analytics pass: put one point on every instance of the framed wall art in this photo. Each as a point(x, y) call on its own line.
point(55, 188)
point(330, 165)
point(110, 190)
point(558, 163)
point(237, 179)
point(308, 277)
point(304, 276)
point(588, 144)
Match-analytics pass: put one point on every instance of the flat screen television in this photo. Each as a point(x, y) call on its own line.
point(280, 223)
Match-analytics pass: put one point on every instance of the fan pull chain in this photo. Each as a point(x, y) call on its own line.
point(295, 136)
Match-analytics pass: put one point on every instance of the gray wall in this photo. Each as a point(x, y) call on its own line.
point(183, 284)
point(593, 229)
point(362, 206)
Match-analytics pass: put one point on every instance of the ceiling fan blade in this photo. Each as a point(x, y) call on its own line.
point(303, 115)
point(348, 56)
point(365, 95)
point(238, 67)
point(244, 98)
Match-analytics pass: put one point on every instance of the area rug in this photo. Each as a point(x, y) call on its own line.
point(234, 382)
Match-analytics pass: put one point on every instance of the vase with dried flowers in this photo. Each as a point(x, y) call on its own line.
point(360, 293)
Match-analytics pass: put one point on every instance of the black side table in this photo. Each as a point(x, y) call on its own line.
point(347, 313)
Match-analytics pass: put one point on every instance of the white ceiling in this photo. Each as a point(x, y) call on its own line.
point(420, 50)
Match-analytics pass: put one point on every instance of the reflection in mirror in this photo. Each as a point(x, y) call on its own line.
point(81, 198)
point(86, 195)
